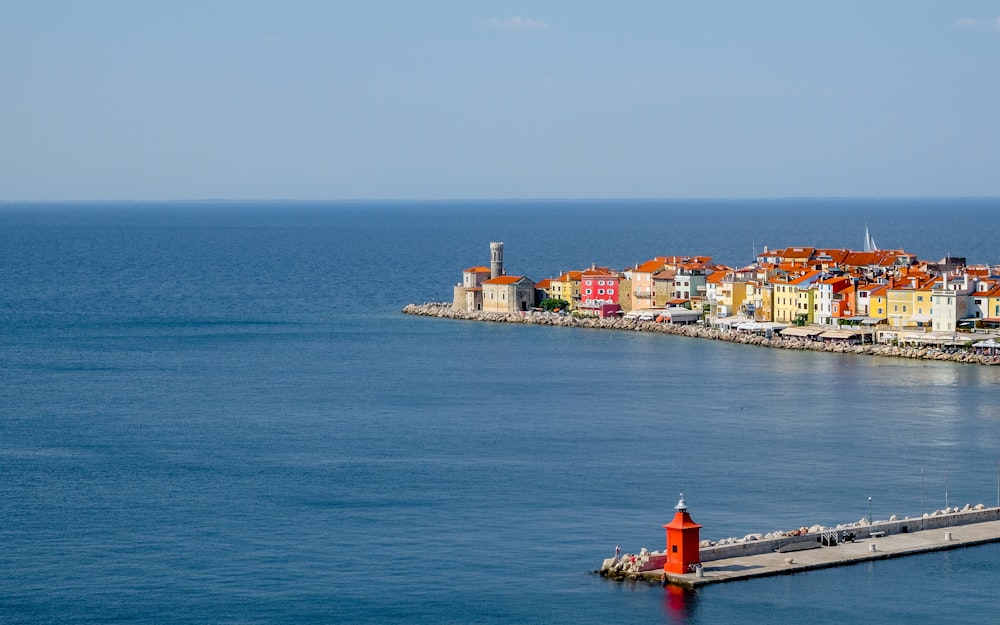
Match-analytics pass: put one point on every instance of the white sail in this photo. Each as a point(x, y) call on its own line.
point(869, 241)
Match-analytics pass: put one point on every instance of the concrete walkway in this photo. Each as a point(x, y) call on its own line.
point(891, 546)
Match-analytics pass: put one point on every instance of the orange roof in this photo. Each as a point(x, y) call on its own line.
point(504, 280)
point(650, 266)
point(543, 284)
point(477, 270)
point(570, 276)
point(862, 259)
point(835, 256)
point(803, 253)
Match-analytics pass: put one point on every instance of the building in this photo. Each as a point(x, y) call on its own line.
point(834, 298)
point(599, 291)
point(641, 278)
point(468, 295)
point(567, 288)
point(508, 294)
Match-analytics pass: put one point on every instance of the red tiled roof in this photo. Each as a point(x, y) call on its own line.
point(650, 266)
point(504, 280)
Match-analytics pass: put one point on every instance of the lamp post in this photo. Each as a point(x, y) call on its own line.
point(869, 511)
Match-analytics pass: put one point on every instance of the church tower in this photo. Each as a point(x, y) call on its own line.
point(683, 550)
point(496, 259)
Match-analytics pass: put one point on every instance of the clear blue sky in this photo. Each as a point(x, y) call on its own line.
point(380, 99)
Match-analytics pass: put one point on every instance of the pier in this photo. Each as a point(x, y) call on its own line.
point(846, 545)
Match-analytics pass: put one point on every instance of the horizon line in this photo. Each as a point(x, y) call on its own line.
point(510, 199)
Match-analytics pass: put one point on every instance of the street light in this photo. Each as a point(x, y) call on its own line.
point(869, 511)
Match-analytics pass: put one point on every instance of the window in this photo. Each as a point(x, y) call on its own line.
point(674, 549)
point(600, 291)
point(589, 291)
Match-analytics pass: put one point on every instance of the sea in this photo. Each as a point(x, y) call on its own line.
point(215, 412)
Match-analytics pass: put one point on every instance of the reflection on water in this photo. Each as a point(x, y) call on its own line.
point(679, 603)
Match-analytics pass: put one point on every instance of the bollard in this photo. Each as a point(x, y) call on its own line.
point(947, 535)
point(871, 548)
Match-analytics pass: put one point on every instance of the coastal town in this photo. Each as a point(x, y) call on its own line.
point(806, 294)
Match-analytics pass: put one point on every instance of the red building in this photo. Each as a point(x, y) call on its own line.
point(599, 291)
point(683, 549)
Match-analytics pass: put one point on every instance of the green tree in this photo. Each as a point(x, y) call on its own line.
point(551, 304)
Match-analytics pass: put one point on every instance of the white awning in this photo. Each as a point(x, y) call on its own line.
point(921, 318)
point(840, 334)
point(807, 332)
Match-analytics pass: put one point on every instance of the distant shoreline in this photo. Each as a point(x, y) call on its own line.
point(445, 311)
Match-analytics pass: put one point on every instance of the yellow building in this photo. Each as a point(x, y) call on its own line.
point(732, 292)
point(567, 287)
point(764, 302)
point(908, 302)
point(992, 301)
point(793, 298)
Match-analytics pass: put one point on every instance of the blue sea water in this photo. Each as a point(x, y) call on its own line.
point(215, 413)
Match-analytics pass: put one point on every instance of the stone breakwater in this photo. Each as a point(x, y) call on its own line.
point(445, 311)
point(648, 565)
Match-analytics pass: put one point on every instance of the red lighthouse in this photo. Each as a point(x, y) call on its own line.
point(682, 541)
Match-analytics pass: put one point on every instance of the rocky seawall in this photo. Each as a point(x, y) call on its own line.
point(648, 565)
point(444, 310)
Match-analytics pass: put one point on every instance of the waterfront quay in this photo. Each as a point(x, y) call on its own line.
point(788, 555)
point(446, 311)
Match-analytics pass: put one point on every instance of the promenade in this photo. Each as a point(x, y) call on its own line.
point(444, 310)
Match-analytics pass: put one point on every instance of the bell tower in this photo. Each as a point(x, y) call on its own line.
point(496, 259)
point(683, 549)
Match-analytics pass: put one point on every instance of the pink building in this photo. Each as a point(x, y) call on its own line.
point(599, 291)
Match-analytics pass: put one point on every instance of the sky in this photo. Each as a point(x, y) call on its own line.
point(465, 99)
